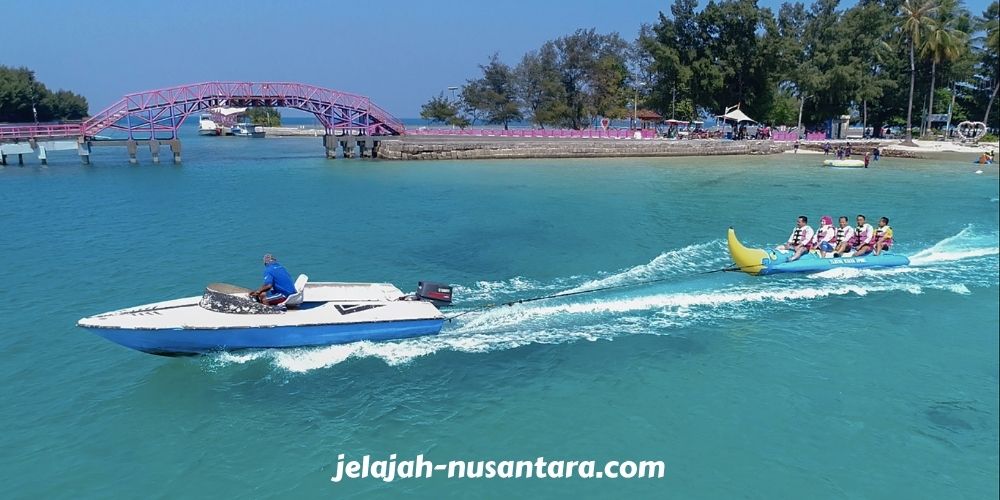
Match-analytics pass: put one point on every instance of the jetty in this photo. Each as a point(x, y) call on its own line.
point(151, 119)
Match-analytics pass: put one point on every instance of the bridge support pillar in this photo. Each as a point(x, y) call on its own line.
point(175, 148)
point(349, 144)
point(20, 159)
point(330, 144)
point(133, 148)
point(3, 159)
point(43, 156)
point(366, 147)
point(154, 151)
point(83, 149)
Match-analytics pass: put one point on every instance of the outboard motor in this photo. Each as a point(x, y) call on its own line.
point(435, 293)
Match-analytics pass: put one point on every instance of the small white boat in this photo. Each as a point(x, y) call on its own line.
point(844, 163)
point(224, 318)
point(207, 126)
point(245, 129)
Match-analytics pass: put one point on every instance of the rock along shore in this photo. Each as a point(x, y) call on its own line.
point(480, 148)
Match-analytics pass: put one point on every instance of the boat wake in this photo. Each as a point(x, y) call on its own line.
point(952, 265)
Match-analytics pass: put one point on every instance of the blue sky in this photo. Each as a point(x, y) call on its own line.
point(398, 52)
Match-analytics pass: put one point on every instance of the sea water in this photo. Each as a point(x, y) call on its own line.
point(843, 384)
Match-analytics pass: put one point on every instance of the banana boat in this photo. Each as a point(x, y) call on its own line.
point(758, 261)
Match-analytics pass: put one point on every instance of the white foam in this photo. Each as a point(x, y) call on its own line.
point(964, 245)
point(681, 260)
point(638, 311)
point(511, 327)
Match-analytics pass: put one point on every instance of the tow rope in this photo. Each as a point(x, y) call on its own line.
point(590, 290)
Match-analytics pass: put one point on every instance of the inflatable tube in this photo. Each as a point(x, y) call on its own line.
point(757, 261)
point(844, 163)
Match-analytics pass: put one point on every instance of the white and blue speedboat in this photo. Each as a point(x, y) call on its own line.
point(774, 261)
point(224, 318)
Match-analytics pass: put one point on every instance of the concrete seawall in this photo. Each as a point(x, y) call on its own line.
point(483, 148)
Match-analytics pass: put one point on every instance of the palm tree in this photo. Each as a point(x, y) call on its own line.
point(990, 23)
point(914, 19)
point(944, 43)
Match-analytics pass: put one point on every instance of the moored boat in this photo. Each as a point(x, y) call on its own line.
point(207, 126)
point(844, 163)
point(773, 261)
point(225, 319)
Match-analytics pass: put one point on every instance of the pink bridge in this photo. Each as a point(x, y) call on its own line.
point(158, 114)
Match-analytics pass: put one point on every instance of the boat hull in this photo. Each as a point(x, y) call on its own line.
point(844, 163)
point(190, 342)
point(763, 262)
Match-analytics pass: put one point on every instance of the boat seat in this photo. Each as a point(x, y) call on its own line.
point(295, 299)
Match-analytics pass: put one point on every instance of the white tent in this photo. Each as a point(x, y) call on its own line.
point(737, 116)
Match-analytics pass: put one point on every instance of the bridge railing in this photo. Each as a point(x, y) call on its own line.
point(40, 131)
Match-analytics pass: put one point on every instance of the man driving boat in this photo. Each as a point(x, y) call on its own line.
point(278, 284)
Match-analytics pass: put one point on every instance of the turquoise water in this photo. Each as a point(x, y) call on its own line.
point(847, 384)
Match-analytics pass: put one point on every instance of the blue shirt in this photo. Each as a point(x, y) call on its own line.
point(277, 276)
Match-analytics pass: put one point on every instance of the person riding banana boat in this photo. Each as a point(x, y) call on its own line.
point(828, 248)
point(864, 236)
point(824, 240)
point(844, 239)
point(883, 236)
point(801, 239)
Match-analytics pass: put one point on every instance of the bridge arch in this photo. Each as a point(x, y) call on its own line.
point(158, 114)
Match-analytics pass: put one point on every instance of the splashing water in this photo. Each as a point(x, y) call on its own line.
point(951, 265)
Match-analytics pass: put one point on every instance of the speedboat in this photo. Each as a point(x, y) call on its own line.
point(224, 318)
point(758, 261)
point(844, 163)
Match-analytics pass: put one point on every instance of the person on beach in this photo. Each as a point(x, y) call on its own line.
point(876, 153)
point(863, 236)
point(844, 238)
point(883, 235)
point(825, 236)
point(278, 284)
point(840, 153)
point(826, 148)
point(847, 152)
point(867, 159)
point(801, 238)
point(796, 146)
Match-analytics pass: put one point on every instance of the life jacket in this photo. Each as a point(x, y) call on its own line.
point(859, 233)
point(841, 234)
point(822, 234)
point(880, 232)
point(797, 236)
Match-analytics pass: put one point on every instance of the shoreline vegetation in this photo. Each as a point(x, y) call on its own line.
point(884, 63)
point(450, 147)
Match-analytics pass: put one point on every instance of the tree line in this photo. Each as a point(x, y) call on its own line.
point(884, 62)
point(23, 99)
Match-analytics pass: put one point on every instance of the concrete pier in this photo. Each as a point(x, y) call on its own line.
point(132, 147)
point(83, 149)
point(476, 148)
point(154, 151)
point(175, 148)
point(330, 144)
